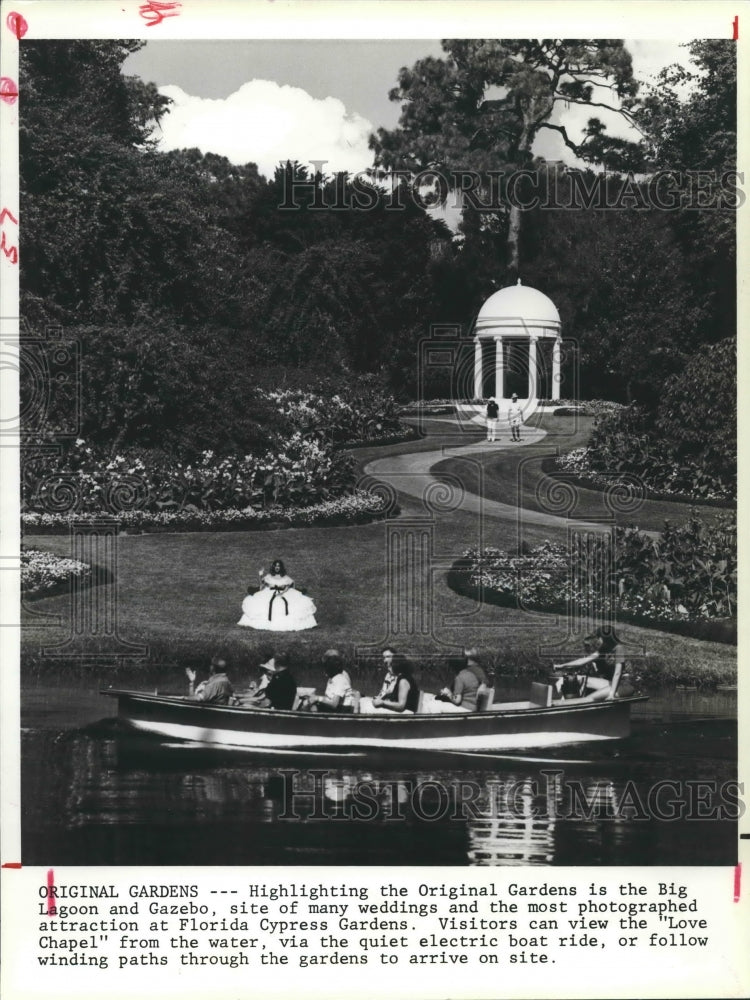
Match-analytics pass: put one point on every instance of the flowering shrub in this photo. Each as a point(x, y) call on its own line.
point(302, 471)
point(685, 574)
point(627, 442)
point(537, 579)
point(358, 507)
point(43, 571)
point(335, 419)
point(654, 470)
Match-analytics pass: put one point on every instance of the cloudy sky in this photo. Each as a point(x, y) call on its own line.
point(266, 101)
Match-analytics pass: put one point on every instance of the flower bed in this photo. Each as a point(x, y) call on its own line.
point(367, 418)
point(578, 463)
point(359, 507)
point(434, 407)
point(563, 407)
point(306, 466)
point(43, 573)
point(685, 581)
point(460, 581)
point(301, 471)
point(405, 433)
point(584, 407)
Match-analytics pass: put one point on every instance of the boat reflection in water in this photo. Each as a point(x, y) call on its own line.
point(95, 797)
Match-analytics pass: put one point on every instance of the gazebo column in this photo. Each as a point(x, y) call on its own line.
point(556, 366)
point(478, 386)
point(499, 371)
point(532, 369)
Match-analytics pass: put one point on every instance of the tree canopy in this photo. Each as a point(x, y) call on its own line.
point(483, 106)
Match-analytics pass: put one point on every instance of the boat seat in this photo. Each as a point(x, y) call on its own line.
point(541, 694)
point(302, 692)
point(485, 698)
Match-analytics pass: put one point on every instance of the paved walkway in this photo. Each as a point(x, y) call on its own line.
point(410, 473)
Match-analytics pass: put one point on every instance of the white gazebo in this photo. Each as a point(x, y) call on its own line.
point(517, 322)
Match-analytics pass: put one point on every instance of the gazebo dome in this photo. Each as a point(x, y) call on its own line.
point(519, 302)
point(517, 340)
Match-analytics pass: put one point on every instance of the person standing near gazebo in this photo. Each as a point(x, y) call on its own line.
point(493, 412)
point(515, 418)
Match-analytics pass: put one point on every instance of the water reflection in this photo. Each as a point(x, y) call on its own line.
point(94, 797)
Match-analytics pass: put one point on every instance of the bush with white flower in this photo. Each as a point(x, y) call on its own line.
point(686, 574)
point(358, 507)
point(302, 470)
point(336, 419)
point(42, 572)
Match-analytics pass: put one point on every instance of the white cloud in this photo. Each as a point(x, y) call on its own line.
point(265, 123)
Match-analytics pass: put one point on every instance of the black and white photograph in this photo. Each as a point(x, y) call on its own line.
point(374, 418)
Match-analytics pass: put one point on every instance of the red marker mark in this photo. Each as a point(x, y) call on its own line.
point(10, 251)
point(737, 881)
point(17, 24)
point(51, 907)
point(12, 864)
point(8, 90)
point(736, 29)
point(155, 11)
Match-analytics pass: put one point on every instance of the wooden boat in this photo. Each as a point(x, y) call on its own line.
point(538, 722)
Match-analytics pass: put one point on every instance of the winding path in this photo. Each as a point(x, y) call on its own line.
point(410, 473)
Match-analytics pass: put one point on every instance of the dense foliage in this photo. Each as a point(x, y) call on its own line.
point(686, 446)
point(686, 573)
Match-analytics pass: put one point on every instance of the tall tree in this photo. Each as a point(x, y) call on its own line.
point(689, 119)
point(112, 230)
point(482, 107)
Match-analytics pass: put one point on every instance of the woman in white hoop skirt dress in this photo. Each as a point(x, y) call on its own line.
point(277, 606)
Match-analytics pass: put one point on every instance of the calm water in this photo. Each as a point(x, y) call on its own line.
point(92, 795)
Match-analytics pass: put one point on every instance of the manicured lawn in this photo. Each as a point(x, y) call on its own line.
point(509, 475)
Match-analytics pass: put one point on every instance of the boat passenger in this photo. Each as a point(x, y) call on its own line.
point(603, 663)
point(474, 664)
point(255, 690)
point(401, 696)
point(280, 689)
point(389, 681)
point(462, 696)
point(217, 690)
point(338, 694)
